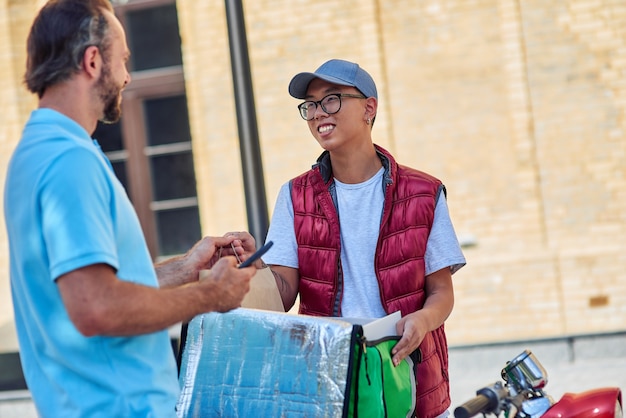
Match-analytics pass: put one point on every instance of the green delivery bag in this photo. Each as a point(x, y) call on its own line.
point(377, 388)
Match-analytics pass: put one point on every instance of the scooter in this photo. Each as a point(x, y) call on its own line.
point(522, 395)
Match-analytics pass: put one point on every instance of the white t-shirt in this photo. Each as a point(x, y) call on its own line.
point(360, 208)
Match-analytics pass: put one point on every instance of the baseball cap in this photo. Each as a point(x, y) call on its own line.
point(343, 73)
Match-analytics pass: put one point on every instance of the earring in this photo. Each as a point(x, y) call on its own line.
point(368, 121)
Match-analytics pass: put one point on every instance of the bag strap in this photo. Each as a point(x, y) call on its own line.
point(356, 340)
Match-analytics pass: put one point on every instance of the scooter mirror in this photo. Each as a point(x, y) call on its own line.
point(525, 372)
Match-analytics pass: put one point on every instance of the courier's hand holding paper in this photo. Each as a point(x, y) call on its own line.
point(263, 292)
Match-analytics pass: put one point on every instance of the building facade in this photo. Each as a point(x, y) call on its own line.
point(519, 107)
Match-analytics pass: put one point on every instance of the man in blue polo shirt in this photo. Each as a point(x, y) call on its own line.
point(91, 310)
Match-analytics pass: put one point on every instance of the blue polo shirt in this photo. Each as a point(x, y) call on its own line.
point(65, 209)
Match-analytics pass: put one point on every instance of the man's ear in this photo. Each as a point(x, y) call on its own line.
point(371, 107)
point(92, 61)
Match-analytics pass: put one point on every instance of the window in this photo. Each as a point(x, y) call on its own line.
point(153, 37)
point(150, 148)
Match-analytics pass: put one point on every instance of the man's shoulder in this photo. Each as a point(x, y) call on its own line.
point(47, 124)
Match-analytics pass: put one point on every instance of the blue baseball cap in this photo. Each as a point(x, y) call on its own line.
point(343, 73)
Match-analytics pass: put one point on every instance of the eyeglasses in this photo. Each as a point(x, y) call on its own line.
point(330, 104)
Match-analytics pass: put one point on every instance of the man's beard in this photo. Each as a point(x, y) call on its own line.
point(109, 95)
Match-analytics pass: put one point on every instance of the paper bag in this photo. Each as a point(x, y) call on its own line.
point(263, 292)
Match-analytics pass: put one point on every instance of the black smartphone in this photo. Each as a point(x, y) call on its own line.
point(256, 255)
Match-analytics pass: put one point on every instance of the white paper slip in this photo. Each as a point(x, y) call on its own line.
point(375, 329)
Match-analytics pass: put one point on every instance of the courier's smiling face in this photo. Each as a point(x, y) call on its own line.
point(333, 131)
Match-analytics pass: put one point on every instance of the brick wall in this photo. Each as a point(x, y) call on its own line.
point(518, 106)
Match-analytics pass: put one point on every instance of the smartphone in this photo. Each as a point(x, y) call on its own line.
point(256, 255)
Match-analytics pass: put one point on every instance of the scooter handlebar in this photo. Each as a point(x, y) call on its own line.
point(476, 405)
point(487, 399)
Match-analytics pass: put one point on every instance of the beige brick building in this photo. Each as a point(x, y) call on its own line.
point(519, 106)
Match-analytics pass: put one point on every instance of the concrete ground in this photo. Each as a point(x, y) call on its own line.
point(573, 365)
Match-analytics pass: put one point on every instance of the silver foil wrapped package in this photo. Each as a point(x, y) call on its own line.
point(256, 363)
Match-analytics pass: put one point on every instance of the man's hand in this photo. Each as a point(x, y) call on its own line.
point(185, 269)
point(204, 254)
point(225, 285)
point(244, 246)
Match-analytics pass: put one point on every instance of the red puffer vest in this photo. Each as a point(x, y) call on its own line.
point(410, 198)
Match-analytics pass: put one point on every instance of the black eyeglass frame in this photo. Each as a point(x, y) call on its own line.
point(319, 103)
